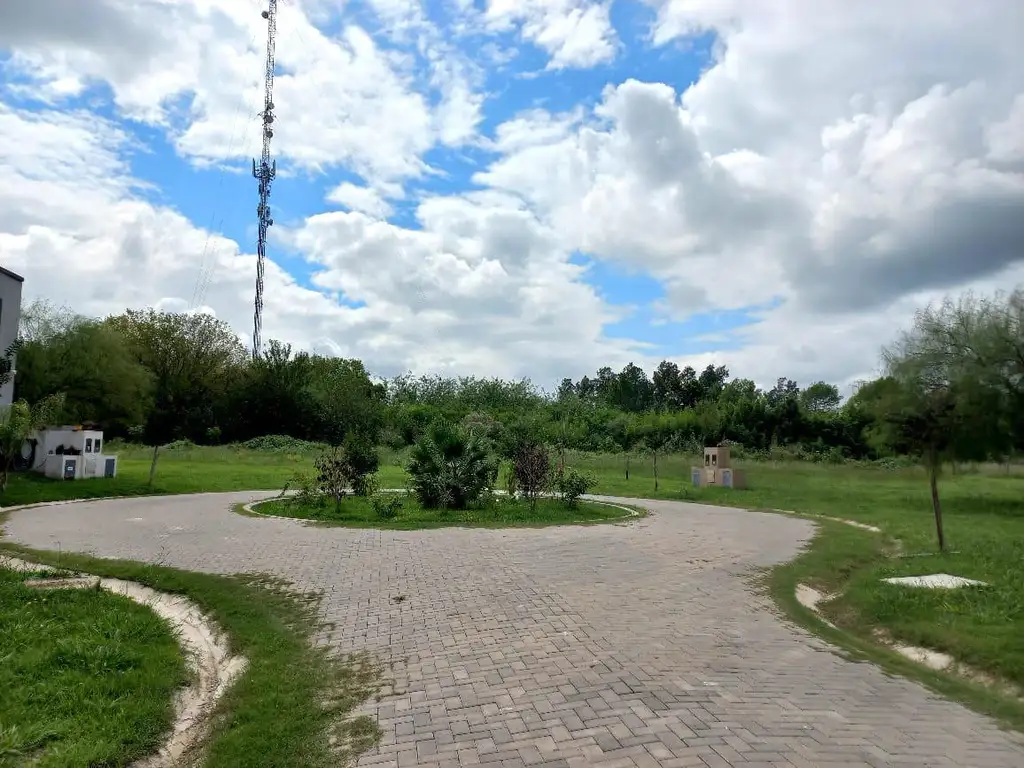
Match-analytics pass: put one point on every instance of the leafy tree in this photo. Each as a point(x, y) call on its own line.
point(712, 381)
point(932, 408)
point(667, 385)
point(345, 399)
point(333, 475)
point(450, 469)
point(93, 365)
point(632, 391)
point(7, 362)
point(273, 396)
point(17, 422)
point(40, 321)
point(571, 485)
point(690, 387)
point(363, 461)
point(820, 397)
point(191, 357)
point(983, 337)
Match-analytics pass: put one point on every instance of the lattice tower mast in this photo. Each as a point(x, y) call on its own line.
point(264, 171)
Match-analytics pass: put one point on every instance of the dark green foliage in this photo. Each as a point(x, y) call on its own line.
point(280, 444)
point(350, 467)
point(449, 468)
point(571, 484)
point(363, 461)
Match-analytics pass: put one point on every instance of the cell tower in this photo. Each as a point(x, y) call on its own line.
point(264, 172)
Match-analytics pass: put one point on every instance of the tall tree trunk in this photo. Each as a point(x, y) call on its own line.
point(627, 466)
point(655, 455)
point(152, 467)
point(933, 479)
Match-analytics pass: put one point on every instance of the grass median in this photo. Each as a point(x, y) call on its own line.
point(358, 512)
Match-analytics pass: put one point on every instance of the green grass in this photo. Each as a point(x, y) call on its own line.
point(86, 677)
point(841, 555)
point(180, 470)
point(357, 512)
point(292, 697)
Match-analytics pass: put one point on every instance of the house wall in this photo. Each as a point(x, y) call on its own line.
point(10, 316)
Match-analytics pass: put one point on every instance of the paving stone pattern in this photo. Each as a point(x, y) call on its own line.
point(635, 644)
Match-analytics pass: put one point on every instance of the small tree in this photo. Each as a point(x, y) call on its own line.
point(363, 462)
point(333, 475)
point(933, 406)
point(17, 422)
point(532, 470)
point(572, 484)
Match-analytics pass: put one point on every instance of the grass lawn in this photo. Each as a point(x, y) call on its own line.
point(357, 512)
point(180, 470)
point(281, 713)
point(86, 677)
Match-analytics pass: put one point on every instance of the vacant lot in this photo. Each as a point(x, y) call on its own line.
point(984, 513)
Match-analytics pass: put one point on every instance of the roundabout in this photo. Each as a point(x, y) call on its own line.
point(641, 643)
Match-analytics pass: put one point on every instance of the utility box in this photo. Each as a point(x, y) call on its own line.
point(69, 453)
point(717, 470)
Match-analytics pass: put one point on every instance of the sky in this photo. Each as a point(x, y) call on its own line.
point(523, 188)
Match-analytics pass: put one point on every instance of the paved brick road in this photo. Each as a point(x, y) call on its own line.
point(639, 644)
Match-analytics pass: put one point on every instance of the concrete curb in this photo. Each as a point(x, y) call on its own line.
point(844, 521)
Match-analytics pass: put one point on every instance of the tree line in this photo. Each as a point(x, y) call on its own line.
point(158, 377)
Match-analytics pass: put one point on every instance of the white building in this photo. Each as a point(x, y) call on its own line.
point(71, 453)
point(10, 317)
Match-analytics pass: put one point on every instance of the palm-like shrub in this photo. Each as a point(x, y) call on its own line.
point(450, 469)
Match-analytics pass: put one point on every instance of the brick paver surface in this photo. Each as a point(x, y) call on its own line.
point(637, 644)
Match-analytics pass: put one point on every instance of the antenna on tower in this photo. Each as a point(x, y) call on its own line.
point(264, 172)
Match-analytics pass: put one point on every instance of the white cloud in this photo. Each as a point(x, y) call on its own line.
point(195, 68)
point(364, 199)
point(804, 165)
point(575, 33)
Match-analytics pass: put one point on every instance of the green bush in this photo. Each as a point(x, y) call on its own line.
point(571, 484)
point(387, 506)
point(281, 444)
point(308, 493)
point(449, 468)
point(363, 461)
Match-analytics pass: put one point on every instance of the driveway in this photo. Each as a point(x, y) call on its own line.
point(636, 644)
